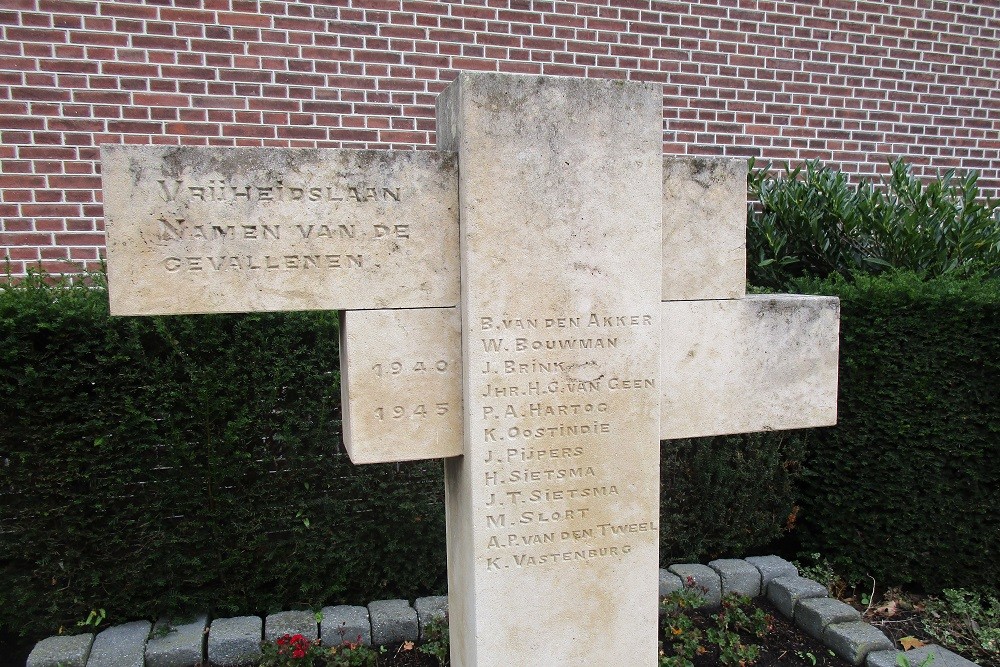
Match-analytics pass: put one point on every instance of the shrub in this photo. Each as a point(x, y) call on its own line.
point(904, 488)
point(727, 496)
point(811, 222)
point(175, 464)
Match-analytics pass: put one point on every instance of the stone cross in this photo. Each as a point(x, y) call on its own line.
point(540, 302)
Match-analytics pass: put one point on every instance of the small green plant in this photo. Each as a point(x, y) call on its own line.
point(733, 622)
point(292, 650)
point(678, 627)
point(731, 632)
point(93, 620)
point(349, 654)
point(818, 568)
point(807, 656)
point(903, 661)
point(965, 621)
point(436, 639)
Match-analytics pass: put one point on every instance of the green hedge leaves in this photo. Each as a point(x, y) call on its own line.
point(169, 465)
point(906, 487)
point(810, 221)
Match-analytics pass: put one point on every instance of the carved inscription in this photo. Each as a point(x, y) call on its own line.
point(401, 384)
point(193, 229)
point(545, 503)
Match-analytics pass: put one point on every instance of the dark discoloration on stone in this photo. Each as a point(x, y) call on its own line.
point(709, 171)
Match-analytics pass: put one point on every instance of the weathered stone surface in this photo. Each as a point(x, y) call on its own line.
point(291, 623)
point(401, 384)
point(235, 641)
point(771, 567)
point(209, 229)
point(814, 614)
point(855, 640)
point(784, 346)
point(180, 644)
point(704, 228)
point(393, 621)
point(785, 592)
point(120, 646)
point(344, 623)
point(429, 608)
point(942, 658)
point(669, 582)
point(704, 579)
point(66, 651)
point(547, 268)
point(760, 354)
point(737, 576)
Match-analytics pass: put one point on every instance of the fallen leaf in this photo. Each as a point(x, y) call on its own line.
point(407, 646)
point(889, 609)
point(911, 643)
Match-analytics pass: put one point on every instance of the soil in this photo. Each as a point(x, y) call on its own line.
point(785, 645)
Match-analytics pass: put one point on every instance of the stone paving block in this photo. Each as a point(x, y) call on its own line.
point(669, 582)
point(291, 623)
point(430, 608)
point(771, 567)
point(234, 641)
point(942, 658)
point(814, 614)
point(393, 621)
point(704, 578)
point(855, 640)
point(785, 592)
point(344, 623)
point(737, 576)
point(66, 651)
point(176, 644)
point(121, 646)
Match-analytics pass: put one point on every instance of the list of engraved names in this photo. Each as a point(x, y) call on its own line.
point(551, 411)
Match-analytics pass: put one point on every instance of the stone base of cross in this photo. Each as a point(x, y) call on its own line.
point(539, 303)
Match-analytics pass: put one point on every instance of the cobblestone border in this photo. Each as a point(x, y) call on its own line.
point(235, 641)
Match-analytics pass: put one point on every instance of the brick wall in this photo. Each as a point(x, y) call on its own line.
point(851, 82)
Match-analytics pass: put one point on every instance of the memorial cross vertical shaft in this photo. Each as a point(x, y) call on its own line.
point(548, 387)
point(560, 204)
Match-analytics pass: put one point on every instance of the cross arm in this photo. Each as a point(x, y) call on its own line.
point(760, 363)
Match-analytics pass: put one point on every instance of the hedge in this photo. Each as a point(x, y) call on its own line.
point(175, 464)
point(166, 465)
point(906, 488)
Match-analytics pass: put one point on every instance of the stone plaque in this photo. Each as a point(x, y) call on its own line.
point(211, 230)
point(554, 508)
point(401, 384)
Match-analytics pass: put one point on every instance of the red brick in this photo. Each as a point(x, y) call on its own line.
point(44, 35)
point(24, 239)
point(368, 75)
point(40, 94)
point(207, 102)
